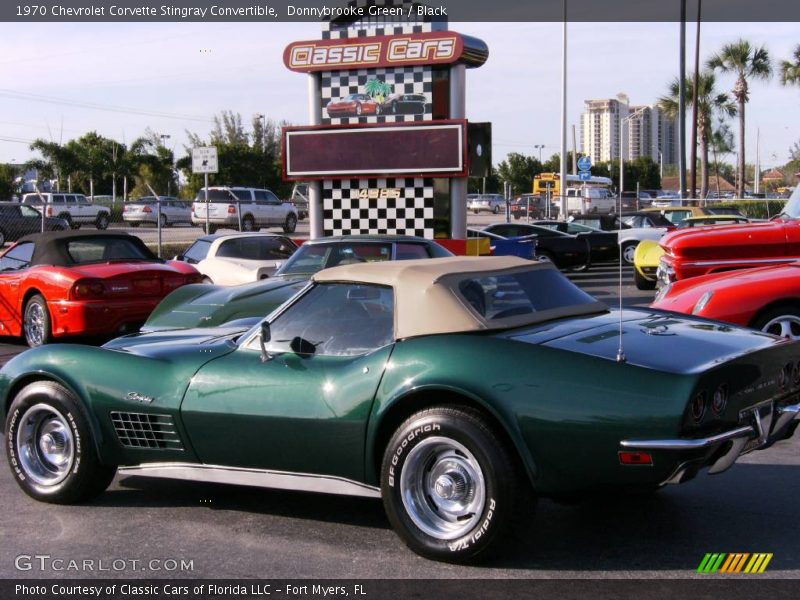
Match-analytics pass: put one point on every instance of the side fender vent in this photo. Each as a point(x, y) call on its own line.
point(147, 431)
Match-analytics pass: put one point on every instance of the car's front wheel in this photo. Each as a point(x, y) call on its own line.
point(36, 322)
point(49, 446)
point(449, 484)
point(629, 252)
point(290, 224)
point(642, 283)
point(101, 222)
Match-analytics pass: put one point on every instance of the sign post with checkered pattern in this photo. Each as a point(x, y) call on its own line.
point(384, 70)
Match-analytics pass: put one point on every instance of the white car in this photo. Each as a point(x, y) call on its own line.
point(239, 257)
point(242, 208)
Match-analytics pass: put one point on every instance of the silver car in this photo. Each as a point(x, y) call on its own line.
point(145, 210)
point(493, 203)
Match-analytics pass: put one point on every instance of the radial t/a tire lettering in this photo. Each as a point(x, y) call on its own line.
point(449, 485)
point(50, 448)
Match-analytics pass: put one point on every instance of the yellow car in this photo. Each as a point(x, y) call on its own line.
point(645, 263)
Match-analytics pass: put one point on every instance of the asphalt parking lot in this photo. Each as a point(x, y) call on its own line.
point(232, 532)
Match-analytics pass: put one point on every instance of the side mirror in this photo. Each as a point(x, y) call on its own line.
point(263, 338)
point(302, 346)
point(178, 257)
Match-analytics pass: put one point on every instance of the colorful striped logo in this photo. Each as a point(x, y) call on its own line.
point(738, 562)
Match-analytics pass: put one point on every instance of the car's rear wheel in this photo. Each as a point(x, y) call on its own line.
point(49, 446)
point(68, 218)
point(133, 224)
point(248, 223)
point(164, 221)
point(449, 484)
point(36, 322)
point(2, 238)
point(496, 209)
point(783, 321)
point(642, 283)
point(102, 221)
point(359, 110)
point(290, 224)
point(629, 252)
point(211, 229)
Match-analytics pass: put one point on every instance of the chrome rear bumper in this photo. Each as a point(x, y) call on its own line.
point(767, 425)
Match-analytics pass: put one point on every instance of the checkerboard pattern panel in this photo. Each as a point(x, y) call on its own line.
point(405, 80)
point(344, 213)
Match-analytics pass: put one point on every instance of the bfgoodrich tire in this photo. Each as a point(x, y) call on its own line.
point(50, 448)
point(449, 485)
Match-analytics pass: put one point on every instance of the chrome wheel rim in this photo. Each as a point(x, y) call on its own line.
point(247, 224)
point(442, 488)
point(787, 326)
point(628, 253)
point(45, 445)
point(34, 324)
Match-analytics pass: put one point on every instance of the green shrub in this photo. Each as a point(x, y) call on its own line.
point(755, 209)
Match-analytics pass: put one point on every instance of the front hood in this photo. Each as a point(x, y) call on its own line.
point(212, 305)
point(208, 341)
point(726, 241)
point(651, 339)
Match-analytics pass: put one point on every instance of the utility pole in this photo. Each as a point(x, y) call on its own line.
point(682, 102)
point(695, 83)
point(563, 161)
point(164, 137)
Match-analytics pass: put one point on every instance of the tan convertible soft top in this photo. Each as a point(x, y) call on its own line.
point(425, 298)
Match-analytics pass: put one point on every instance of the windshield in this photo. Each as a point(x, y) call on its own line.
point(792, 208)
point(85, 251)
point(311, 258)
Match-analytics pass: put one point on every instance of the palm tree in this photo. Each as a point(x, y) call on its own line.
point(722, 143)
point(710, 103)
point(57, 161)
point(746, 62)
point(790, 71)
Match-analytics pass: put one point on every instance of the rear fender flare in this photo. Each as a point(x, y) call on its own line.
point(386, 408)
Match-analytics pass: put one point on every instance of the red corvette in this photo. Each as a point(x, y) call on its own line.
point(767, 298)
point(71, 283)
point(353, 105)
point(690, 253)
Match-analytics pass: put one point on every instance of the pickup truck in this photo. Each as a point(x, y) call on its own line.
point(75, 209)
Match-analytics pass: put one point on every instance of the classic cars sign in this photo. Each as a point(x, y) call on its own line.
point(431, 48)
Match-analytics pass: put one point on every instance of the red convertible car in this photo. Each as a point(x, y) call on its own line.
point(767, 298)
point(353, 105)
point(72, 283)
point(691, 253)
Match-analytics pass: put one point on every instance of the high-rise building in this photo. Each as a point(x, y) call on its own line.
point(649, 132)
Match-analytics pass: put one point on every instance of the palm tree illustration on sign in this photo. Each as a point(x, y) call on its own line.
point(377, 88)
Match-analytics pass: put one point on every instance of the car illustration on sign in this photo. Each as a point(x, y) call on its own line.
point(365, 383)
point(353, 105)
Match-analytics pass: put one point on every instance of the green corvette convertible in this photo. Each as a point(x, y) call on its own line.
point(457, 390)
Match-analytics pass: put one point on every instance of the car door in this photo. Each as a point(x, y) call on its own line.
point(13, 269)
point(305, 408)
point(29, 220)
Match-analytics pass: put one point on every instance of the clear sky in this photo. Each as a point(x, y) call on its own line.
point(180, 74)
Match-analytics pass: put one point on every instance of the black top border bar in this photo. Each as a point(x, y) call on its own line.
point(532, 11)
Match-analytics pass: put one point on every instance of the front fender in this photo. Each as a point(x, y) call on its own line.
point(101, 381)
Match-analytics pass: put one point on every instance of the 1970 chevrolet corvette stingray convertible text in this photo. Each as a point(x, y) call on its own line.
point(365, 383)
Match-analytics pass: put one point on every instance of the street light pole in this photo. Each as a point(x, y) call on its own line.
point(622, 122)
point(539, 146)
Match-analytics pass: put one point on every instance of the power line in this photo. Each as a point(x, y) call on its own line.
point(14, 95)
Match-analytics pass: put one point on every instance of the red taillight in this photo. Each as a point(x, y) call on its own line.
point(126, 209)
point(194, 278)
point(231, 209)
point(147, 210)
point(635, 458)
point(88, 288)
point(49, 211)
